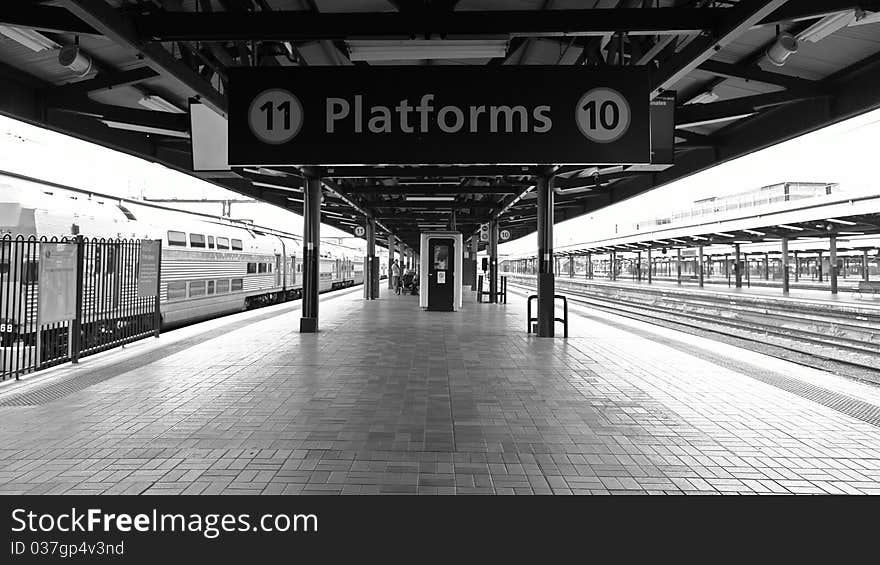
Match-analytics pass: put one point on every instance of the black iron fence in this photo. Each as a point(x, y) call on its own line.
point(93, 298)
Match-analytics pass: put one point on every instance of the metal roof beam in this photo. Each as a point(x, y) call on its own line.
point(42, 18)
point(809, 9)
point(464, 171)
point(144, 118)
point(738, 20)
point(309, 26)
point(754, 73)
point(429, 190)
point(119, 29)
point(693, 114)
point(105, 81)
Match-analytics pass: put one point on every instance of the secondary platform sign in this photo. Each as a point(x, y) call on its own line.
point(438, 115)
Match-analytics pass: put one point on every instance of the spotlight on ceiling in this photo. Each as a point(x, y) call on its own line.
point(785, 45)
point(73, 58)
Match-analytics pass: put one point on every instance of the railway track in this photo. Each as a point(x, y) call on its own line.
point(822, 336)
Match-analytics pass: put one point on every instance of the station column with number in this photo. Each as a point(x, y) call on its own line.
point(546, 280)
point(311, 250)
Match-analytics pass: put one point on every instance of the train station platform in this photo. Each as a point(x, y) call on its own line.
point(389, 399)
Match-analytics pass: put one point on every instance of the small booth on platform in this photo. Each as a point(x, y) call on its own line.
point(441, 271)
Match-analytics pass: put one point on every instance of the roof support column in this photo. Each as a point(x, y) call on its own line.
point(700, 263)
point(474, 251)
point(311, 250)
point(678, 265)
point(865, 274)
point(589, 265)
point(371, 263)
point(785, 285)
point(639, 266)
point(797, 267)
point(650, 266)
point(766, 266)
point(546, 278)
point(737, 266)
point(493, 261)
point(832, 262)
point(819, 265)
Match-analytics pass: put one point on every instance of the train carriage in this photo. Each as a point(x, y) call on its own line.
point(211, 265)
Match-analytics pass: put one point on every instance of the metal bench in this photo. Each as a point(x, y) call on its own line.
point(872, 287)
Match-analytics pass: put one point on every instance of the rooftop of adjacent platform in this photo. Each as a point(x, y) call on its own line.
point(390, 399)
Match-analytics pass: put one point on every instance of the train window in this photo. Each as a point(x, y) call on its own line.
point(251, 268)
point(126, 211)
point(176, 238)
point(236, 284)
point(262, 267)
point(210, 242)
point(222, 286)
point(236, 245)
point(31, 272)
point(269, 267)
point(196, 240)
point(210, 287)
point(176, 290)
point(197, 288)
point(222, 243)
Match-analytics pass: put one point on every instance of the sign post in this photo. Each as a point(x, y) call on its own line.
point(437, 115)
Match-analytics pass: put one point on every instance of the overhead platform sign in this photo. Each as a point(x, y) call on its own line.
point(438, 115)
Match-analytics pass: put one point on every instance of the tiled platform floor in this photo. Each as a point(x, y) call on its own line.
point(390, 399)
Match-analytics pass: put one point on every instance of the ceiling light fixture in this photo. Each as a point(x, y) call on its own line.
point(72, 57)
point(277, 186)
point(415, 49)
point(785, 45)
point(145, 129)
point(704, 97)
point(827, 25)
point(33, 40)
point(842, 222)
point(429, 198)
point(794, 228)
point(153, 102)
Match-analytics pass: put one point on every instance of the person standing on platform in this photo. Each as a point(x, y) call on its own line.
point(395, 277)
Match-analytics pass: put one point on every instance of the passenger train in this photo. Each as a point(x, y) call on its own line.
point(210, 265)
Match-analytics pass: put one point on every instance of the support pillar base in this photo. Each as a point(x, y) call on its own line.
point(308, 325)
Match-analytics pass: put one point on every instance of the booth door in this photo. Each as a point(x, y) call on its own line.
point(441, 274)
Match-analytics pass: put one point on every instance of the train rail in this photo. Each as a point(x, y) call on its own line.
point(814, 335)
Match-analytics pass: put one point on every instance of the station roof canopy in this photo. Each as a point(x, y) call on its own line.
point(808, 220)
point(121, 72)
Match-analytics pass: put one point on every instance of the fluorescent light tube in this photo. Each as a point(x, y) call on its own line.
point(33, 40)
point(430, 198)
point(146, 129)
point(278, 186)
point(826, 26)
point(153, 102)
point(704, 97)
